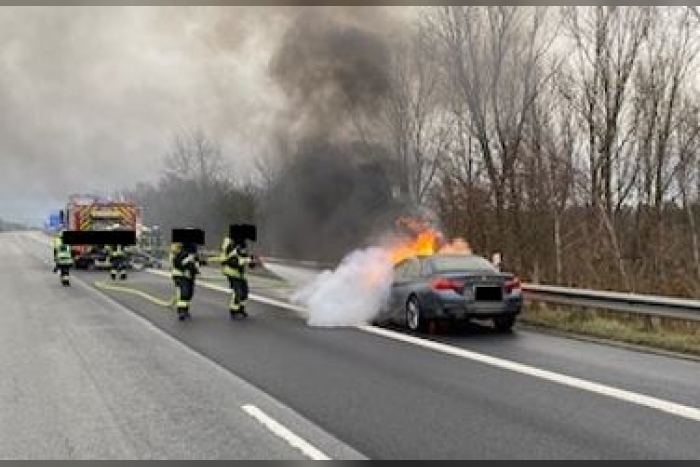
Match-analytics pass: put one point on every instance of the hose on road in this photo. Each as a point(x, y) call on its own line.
point(105, 286)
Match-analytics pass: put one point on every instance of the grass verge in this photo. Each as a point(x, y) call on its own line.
point(655, 332)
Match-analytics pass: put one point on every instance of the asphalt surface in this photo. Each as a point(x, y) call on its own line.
point(84, 378)
point(394, 400)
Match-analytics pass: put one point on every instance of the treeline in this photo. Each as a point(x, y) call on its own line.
point(564, 137)
point(195, 189)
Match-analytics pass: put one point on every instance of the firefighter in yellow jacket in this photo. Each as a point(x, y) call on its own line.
point(235, 260)
point(185, 268)
point(117, 261)
point(64, 261)
point(57, 243)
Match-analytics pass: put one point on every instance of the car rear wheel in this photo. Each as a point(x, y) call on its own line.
point(414, 318)
point(504, 323)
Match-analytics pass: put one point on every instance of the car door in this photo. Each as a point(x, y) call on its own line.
point(391, 311)
point(404, 285)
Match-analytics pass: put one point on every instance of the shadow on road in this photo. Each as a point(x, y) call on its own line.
point(459, 330)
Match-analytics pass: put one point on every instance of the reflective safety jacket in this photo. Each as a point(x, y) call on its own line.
point(57, 243)
point(116, 251)
point(64, 256)
point(234, 260)
point(184, 264)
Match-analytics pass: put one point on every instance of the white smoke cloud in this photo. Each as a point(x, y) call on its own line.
point(352, 294)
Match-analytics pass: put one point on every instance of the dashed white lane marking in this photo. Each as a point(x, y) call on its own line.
point(673, 408)
point(271, 424)
point(284, 433)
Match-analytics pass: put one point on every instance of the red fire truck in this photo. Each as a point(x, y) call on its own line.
point(89, 212)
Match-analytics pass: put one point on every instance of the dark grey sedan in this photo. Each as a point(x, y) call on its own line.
point(452, 287)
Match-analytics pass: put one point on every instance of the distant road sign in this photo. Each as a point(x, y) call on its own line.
point(55, 221)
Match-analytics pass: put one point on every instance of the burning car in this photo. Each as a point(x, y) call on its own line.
point(450, 287)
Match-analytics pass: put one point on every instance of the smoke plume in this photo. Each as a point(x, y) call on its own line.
point(335, 184)
point(353, 294)
point(90, 99)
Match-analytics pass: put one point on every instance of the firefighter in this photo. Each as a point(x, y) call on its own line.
point(184, 271)
point(57, 242)
point(117, 260)
point(235, 259)
point(64, 261)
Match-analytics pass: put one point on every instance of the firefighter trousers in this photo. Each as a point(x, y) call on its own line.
point(118, 268)
point(239, 293)
point(65, 272)
point(185, 292)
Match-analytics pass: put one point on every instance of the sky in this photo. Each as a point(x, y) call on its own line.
point(90, 97)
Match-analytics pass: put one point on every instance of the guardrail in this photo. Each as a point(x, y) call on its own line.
point(649, 305)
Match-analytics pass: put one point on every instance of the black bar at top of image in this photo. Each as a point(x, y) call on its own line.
point(109, 237)
point(191, 236)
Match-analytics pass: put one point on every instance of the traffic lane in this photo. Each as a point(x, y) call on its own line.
point(661, 376)
point(83, 378)
point(674, 379)
point(392, 400)
point(666, 377)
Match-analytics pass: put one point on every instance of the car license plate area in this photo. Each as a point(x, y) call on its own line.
point(488, 294)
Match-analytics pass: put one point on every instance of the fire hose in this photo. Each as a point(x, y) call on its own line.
point(105, 286)
point(166, 303)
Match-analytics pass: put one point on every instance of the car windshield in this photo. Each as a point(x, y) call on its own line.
point(461, 263)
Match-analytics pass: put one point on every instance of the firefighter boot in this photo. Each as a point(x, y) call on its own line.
point(182, 314)
point(240, 312)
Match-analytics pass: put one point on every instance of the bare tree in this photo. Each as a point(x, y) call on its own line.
point(607, 43)
point(193, 155)
point(495, 57)
point(418, 124)
point(660, 84)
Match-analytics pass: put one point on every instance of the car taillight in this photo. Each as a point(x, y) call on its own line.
point(442, 283)
point(513, 286)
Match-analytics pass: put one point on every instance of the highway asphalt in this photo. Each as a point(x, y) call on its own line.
point(81, 377)
point(389, 399)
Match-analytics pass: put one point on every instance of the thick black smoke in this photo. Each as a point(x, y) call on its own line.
point(328, 201)
point(335, 187)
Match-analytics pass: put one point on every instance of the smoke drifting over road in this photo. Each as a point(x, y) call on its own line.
point(352, 294)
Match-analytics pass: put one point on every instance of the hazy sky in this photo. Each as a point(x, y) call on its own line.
point(91, 96)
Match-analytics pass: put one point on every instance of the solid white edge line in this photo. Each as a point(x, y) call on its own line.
point(284, 433)
point(673, 408)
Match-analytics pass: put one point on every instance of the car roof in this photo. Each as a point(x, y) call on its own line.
point(425, 258)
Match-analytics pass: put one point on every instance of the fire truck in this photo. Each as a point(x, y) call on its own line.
point(92, 213)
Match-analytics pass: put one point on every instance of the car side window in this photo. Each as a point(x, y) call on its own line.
point(399, 270)
point(412, 270)
point(426, 269)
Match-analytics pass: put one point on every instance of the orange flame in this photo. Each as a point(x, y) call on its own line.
point(425, 241)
